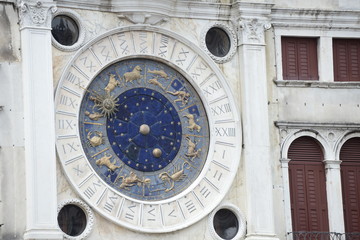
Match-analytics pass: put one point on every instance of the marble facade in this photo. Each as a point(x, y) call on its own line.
point(273, 111)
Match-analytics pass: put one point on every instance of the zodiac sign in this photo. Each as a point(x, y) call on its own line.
point(112, 83)
point(192, 153)
point(133, 75)
point(159, 72)
point(95, 138)
point(156, 83)
point(178, 175)
point(192, 125)
point(93, 116)
point(106, 103)
point(131, 181)
point(105, 160)
point(182, 96)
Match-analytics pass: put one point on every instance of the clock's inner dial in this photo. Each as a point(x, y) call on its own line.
point(144, 129)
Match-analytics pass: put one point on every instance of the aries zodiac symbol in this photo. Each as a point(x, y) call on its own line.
point(133, 75)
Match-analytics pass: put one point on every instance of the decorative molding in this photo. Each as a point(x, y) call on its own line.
point(240, 217)
point(82, 31)
point(252, 31)
point(315, 19)
point(89, 218)
point(330, 135)
point(145, 18)
point(233, 41)
point(36, 15)
point(316, 84)
point(332, 164)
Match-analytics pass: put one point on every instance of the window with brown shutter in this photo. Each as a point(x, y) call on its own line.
point(350, 181)
point(307, 186)
point(299, 58)
point(346, 59)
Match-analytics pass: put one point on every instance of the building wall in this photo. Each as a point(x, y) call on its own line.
point(327, 107)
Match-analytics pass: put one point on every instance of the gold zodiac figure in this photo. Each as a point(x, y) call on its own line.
point(156, 83)
point(105, 160)
point(95, 138)
point(133, 75)
point(192, 125)
point(93, 116)
point(192, 153)
point(161, 73)
point(177, 176)
point(183, 97)
point(112, 83)
point(131, 181)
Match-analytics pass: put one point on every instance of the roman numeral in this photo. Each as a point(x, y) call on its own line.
point(190, 206)
point(87, 63)
point(71, 77)
point(108, 206)
point(104, 53)
point(67, 101)
point(65, 124)
point(205, 192)
point(90, 191)
point(78, 171)
point(164, 41)
point(123, 44)
point(223, 108)
point(201, 67)
point(224, 132)
point(217, 175)
point(182, 57)
point(212, 88)
point(143, 41)
point(68, 148)
point(151, 212)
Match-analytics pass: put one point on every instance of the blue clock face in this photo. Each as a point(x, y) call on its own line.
point(144, 129)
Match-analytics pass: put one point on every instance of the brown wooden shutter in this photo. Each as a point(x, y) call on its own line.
point(299, 56)
point(346, 54)
point(350, 179)
point(307, 186)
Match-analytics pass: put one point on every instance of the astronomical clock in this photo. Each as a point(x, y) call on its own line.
point(147, 131)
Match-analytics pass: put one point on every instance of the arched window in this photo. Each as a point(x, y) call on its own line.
point(350, 181)
point(307, 186)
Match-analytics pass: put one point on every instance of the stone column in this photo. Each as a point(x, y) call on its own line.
point(40, 157)
point(257, 157)
point(334, 196)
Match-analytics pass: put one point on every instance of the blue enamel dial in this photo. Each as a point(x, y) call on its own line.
point(143, 107)
point(144, 129)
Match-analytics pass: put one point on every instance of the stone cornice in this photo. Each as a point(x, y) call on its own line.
point(315, 18)
point(309, 125)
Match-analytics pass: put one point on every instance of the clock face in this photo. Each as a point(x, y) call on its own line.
point(144, 129)
point(147, 132)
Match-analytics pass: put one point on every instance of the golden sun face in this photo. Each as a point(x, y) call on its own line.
point(106, 103)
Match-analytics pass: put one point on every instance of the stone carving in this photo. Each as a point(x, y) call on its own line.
point(36, 14)
point(95, 138)
point(133, 75)
point(191, 121)
point(94, 116)
point(178, 175)
point(182, 97)
point(106, 103)
point(155, 82)
point(112, 83)
point(192, 152)
point(253, 30)
point(105, 161)
point(161, 73)
point(145, 18)
point(232, 37)
point(131, 181)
